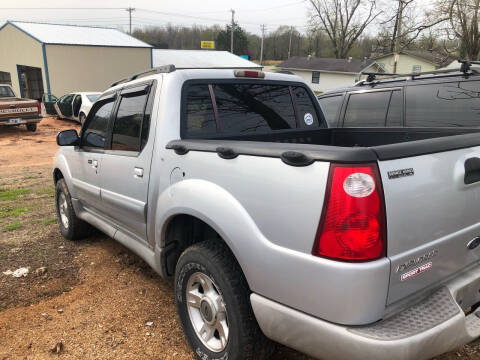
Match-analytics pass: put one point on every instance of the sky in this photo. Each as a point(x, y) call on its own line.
point(249, 14)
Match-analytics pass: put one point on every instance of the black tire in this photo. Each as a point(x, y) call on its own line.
point(32, 127)
point(245, 340)
point(77, 229)
point(82, 118)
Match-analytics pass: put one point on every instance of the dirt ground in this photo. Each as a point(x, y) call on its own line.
point(88, 299)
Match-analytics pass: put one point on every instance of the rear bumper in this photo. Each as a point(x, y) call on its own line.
point(27, 119)
point(429, 328)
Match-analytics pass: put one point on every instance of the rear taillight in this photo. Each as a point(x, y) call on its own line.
point(352, 226)
point(39, 108)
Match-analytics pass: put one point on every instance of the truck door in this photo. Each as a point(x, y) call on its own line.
point(86, 162)
point(126, 162)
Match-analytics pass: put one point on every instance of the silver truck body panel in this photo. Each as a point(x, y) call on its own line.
point(431, 218)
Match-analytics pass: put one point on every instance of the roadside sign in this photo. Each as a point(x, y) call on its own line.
point(208, 44)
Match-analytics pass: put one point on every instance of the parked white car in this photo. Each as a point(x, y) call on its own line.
point(76, 106)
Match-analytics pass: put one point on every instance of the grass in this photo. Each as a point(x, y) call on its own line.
point(49, 220)
point(50, 191)
point(13, 226)
point(12, 195)
point(13, 212)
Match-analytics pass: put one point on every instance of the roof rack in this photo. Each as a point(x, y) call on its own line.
point(465, 68)
point(156, 70)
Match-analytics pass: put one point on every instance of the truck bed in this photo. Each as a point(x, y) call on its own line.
point(352, 145)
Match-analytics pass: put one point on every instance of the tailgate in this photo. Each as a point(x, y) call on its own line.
point(433, 214)
point(17, 108)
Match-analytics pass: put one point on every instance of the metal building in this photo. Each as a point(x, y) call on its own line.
point(39, 58)
point(205, 59)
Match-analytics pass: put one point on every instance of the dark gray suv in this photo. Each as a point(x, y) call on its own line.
point(447, 99)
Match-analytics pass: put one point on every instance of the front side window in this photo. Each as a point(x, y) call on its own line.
point(315, 77)
point(454, 104)
point(128, 123)
point(367, 109)
point(330, 107)
point(95, 133)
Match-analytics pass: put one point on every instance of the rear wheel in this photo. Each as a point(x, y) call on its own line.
point(212, 298)
point(32, 127)
point(70, 225)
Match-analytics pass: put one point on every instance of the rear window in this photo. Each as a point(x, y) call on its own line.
point(5, 91)
point(93, 97)
point(246, 108)
point(454, 104)
point(330, 107)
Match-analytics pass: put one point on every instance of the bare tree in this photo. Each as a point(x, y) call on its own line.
point(403, 24)
point(343, 21)
point(463, 17)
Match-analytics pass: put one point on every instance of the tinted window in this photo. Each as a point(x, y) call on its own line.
point(200, 117)
point(305, 108)
point(443, 105)
point(248, 108)
point(95, 132)
point(128, 123)
point(5, 91)
point(394, 116)
point(330, 106)
point(367, 109)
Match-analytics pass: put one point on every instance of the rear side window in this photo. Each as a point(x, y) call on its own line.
point(455, 104)
point(330, 107)
point(128, 123)
point(249, 108)
point(394, 115)
point(94, 134)
point(200, 116)
point(367, 109)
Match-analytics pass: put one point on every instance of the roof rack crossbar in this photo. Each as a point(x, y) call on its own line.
point(464, 68)
point(156, 70)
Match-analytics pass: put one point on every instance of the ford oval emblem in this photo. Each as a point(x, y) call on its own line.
point(472, 244)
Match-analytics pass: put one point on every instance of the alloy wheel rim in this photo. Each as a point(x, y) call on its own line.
point(62, 209)
point(207, 312)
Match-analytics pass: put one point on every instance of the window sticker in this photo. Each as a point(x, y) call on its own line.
point(308, 118)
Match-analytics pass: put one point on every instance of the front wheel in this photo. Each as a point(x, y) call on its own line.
point(70, 225)
point(212, 298)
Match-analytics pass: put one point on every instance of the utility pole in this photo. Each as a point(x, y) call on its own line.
point(290, 42)
point(261, 44)
point(231, 30)
point(397, 36)
point(130, 10)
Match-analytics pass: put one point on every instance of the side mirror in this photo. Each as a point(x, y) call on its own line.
point(68, 138)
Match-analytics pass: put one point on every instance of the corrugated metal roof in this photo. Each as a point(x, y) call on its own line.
point(78, 35)
point(201, 59)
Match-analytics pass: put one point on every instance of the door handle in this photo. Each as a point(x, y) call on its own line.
point(94, 163)
point(138, 172)
point(472, 170)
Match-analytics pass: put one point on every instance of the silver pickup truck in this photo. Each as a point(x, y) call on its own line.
point(340, 243)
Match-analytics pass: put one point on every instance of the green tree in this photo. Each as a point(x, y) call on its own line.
point(240, 42)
